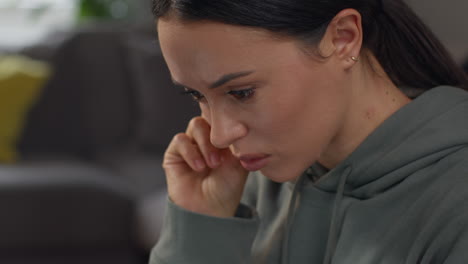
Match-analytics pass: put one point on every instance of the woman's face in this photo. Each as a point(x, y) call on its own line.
point(261, 94)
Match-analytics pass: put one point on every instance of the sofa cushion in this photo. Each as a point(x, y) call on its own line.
point(21, 80)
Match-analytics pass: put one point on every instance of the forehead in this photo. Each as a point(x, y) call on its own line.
point(208, 41)
point(210, 48)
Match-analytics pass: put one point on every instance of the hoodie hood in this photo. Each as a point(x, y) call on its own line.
point(417, 135)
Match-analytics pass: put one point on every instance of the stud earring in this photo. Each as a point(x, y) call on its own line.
point(354, 58)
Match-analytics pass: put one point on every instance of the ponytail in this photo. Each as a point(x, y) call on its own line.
point(409, 52)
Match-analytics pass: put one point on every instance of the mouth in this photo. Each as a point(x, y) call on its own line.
point(254, 162)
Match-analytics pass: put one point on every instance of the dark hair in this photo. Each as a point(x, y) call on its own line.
point(408, 51)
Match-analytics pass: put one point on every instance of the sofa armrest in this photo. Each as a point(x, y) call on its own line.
point(50, 205)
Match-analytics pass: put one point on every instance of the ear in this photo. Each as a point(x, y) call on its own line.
point(343, 37)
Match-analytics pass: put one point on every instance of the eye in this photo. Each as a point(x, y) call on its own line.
point(196, 96)
point(242, 94)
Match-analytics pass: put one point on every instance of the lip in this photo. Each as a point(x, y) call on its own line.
point(254, 162)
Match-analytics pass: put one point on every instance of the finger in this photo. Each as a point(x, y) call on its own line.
point(199, 130)
point(183, 149)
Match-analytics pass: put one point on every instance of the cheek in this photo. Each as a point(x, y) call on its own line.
point(297, 115)
point(285, 110)
point(274, 119)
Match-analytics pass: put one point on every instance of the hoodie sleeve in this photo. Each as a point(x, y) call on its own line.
point(191, 238)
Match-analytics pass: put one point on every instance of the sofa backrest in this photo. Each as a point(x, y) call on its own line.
point(161, 108)
point(110, 88)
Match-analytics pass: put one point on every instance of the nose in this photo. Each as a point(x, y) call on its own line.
point(225, 129)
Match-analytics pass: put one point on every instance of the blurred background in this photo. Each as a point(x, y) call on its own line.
point(86, 110)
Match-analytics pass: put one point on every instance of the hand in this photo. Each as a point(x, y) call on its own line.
point(200, 177)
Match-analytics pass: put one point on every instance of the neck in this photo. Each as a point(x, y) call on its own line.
point(374, 98)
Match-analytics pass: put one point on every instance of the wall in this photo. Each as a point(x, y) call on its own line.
point(449, 20)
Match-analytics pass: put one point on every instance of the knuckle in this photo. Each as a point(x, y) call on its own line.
point(197, 122)
point(165, 166)
point(180, 137)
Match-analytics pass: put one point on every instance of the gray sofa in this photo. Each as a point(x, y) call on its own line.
point(89, 187)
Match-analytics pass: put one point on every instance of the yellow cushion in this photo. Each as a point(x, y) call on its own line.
point(21, 80)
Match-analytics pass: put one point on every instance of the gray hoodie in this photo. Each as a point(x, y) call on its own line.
point(400, 197)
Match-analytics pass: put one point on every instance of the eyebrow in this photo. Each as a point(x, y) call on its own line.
point(223, 80)
point(229, 77)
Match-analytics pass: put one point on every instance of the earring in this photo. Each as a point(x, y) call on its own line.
point(354, 58)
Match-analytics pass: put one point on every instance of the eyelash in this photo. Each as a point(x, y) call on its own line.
point(240, 95)
point(196, 96)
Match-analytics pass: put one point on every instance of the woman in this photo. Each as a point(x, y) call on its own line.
point(330, 132)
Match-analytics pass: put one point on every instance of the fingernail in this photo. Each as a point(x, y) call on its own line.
point(199, 164)
point(214, 159)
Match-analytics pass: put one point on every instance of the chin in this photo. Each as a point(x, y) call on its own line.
point(278, 175)
point(283, 173)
